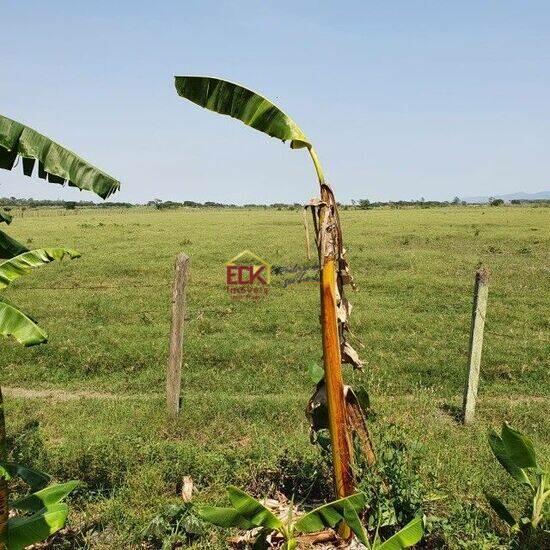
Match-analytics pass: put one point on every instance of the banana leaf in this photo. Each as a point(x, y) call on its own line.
point(45, 498)
point(234, 100)
point(9, 247)
point(20, 265)
point(252, 510)
point(34, 478)
point(247, 512)
point(223, 517)
point(520, 449)
point(503, 456)
point(55, 163)
point(329, 515)
point(316, 373)
point(501, 510)
point(5, 217)
point(14, 322)
point(407, 537)
point(26, 530)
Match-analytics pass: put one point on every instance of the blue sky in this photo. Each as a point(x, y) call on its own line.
point(402, 99)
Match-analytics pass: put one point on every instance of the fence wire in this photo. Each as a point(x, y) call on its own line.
point(202, 309)
point(98, 287)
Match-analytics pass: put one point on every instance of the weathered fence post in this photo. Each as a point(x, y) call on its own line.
point(481, 290)
point(173, 374)
point(308, 250)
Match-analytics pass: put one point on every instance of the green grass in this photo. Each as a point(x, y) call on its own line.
point(245, 376)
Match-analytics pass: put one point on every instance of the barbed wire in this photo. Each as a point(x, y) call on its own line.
point(511, 336)
point(215, 308)
point(99, 287)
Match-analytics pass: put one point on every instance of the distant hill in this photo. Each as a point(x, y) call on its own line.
point(543, 195)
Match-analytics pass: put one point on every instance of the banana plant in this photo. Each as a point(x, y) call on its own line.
point(37, 516)
point(516, 454)
point(57, 165)
point(258, 112)
point(248, 513)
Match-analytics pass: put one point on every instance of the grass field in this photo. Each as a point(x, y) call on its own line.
point(89, 404)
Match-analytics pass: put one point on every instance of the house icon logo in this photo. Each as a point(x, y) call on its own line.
point(247, 276)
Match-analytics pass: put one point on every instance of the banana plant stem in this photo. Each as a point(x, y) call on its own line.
point(341, 455)
point(332, 361)
point(538, 502)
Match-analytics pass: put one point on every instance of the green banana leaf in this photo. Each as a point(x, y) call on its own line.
point(45, 498)
point(407, 537)
point(5, 217)
point(329, 515)
point(9, 247)
point(252, 510)
point(234, 100)
point(519, 448)
point(4, 474)
point(501, 510)
point(55, 163)
point(223, 517)
point(20, 265)
point(14, 322)
point(502, 455)
point(316, 373)
point(26, 530)
point(35, 479)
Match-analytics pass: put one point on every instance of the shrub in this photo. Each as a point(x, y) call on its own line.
point(394, 490)
point(465, 527)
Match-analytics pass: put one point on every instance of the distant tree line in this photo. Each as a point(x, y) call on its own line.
point(162, 205)
point(361, 204)
point(366, 204)
point(537, 202)
point(69, 205)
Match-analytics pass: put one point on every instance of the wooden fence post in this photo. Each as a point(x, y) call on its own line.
point(308, 250)
point(481, 290)
point(173, 374)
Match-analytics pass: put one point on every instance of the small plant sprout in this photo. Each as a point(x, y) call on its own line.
point(516, 454)
point(290, 527)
